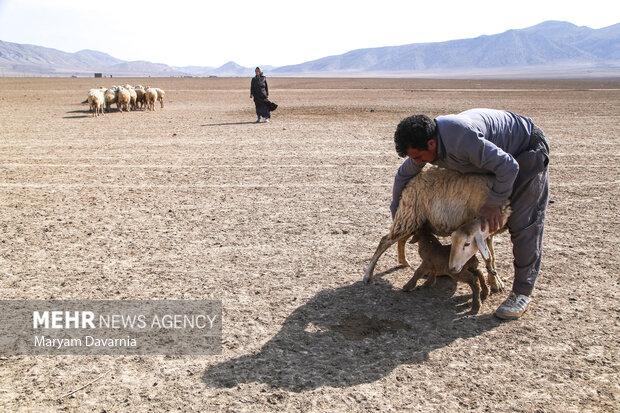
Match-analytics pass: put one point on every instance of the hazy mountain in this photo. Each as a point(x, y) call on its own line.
point(227, 69)
point(26, 58)
point(551, 48)
point(143, 68)
point(18, 58)
point(551, 43)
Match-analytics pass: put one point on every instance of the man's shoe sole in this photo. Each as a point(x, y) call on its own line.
point(508, 317)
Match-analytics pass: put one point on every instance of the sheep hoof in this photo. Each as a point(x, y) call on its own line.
point(410, 287)
point(367, 277)
point(498, 285)
point(404, 263)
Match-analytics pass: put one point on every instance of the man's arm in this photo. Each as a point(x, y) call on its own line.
point(266, 89)
point(405, 172)
point(486, 155)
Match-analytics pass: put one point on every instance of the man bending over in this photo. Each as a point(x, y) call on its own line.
point(497, 142)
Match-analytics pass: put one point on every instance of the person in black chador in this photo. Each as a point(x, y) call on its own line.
point(259, 91)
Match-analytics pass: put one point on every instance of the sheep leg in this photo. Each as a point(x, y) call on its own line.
point(430, 281)
point(475, 293)
point(402, 259)
point(494, 280)
point(384, 244)
point(418, 273)
point(484, 293)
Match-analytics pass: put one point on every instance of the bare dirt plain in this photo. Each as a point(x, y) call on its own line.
point(278, 220)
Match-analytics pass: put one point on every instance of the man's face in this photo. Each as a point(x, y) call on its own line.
point(420, 156)
point(257, 72)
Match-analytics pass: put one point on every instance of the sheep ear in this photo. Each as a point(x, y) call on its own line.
point(482, 246)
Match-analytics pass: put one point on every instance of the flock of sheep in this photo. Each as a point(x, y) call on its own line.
point(446, 203)
point(126, 98)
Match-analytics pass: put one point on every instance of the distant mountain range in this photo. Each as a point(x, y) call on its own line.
point(552, 47)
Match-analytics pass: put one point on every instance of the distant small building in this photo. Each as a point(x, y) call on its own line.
point(98, 74)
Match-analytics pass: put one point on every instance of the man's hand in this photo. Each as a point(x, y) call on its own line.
point(491, 218)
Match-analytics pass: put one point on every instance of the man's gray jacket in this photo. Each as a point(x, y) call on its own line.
point(476, 141)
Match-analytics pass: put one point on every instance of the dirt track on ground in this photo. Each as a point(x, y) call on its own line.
point(278, 220)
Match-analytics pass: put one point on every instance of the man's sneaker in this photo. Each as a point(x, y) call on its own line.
point(513, 307)
point(266, 120)
point(257, 120)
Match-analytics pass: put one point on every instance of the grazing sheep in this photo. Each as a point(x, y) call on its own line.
point(435, 262)
point(160, 96)
point(445, 199)
point(140, 97)
point(96, 100)
point(150, 96)
point(103, 89)
point(110, 97)
point(123, 97)
point(133, 97)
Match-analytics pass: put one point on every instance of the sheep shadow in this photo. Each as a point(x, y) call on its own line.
point(228, 123)
point(85, 113)
point(352, 335)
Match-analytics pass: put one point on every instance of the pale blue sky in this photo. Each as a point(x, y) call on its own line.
point(273, 32)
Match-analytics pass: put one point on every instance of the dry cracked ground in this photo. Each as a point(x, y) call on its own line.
point(277, 220)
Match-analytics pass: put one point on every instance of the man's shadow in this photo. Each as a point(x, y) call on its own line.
point(355, 334)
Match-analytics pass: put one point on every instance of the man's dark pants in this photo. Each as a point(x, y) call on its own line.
point(529, 200)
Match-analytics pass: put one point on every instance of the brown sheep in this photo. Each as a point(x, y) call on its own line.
point(435, 262)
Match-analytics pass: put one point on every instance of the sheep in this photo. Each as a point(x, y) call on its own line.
point(123, 97)
point(469, 238)
point(436, 259)
point(110, 97)
point(445, 199)
point(150, 95)
point(133, 97)
point(160, 96)
point(140, 101)
point(96, 100)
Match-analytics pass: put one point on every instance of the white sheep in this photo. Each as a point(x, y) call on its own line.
point(96, 100)
point(110, 97)
point(444, 199)
point(140, 97)
point(160, 96)
point(133, 97)
point(469, 238)
point(123, 97)
point(150, 96)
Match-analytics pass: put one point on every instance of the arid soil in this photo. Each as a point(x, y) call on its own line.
point(278, 221)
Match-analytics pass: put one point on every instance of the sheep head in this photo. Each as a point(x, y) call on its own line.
point(466, 241)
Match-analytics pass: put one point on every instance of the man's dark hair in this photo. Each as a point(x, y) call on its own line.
point(414, 132)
